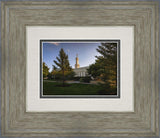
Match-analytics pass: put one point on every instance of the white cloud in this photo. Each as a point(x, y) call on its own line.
point(54, 43)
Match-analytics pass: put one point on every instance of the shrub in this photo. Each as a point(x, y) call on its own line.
point(76, 78)
point(106, 89)
point(81, 79)
point(85, 79)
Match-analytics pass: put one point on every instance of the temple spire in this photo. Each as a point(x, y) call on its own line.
point(77, 62)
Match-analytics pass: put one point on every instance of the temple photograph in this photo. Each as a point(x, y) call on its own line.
point(79, 68)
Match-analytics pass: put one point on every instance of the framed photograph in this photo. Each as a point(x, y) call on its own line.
point(80, 69)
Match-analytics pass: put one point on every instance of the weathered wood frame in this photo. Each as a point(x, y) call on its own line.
point(142, 122)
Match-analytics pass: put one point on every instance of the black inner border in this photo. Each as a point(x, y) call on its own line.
point(80, 96)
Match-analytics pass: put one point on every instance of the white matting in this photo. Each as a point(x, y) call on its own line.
point(123, 104)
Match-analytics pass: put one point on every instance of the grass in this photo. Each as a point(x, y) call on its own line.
point(55, 88)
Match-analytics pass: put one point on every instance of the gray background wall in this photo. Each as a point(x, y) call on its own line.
point(78, 0)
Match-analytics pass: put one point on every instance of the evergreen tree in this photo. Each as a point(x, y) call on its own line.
point(105, 67)
point(63, 63)
point(108, 60)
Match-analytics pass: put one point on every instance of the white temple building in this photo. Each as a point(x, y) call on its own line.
point(80, 71)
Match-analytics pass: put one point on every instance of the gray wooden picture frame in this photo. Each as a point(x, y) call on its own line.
point(142, 122)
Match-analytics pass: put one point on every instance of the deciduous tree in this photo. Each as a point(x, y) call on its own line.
point(45, 70)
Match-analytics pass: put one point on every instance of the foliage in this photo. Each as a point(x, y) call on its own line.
point(107, 89)
point(108, 60)
point(45, 70)
point(58, 75)
point(81, 79)
point(63, 65)
point(69, 75)
point(49, 76)
point(62, 61)
point(96, 70)
point(76, 78)
point(85, 79)
point(105, 67)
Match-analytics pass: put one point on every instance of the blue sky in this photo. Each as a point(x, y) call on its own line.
point(86, 52)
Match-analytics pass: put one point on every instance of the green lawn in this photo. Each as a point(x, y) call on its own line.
point(53, 88)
